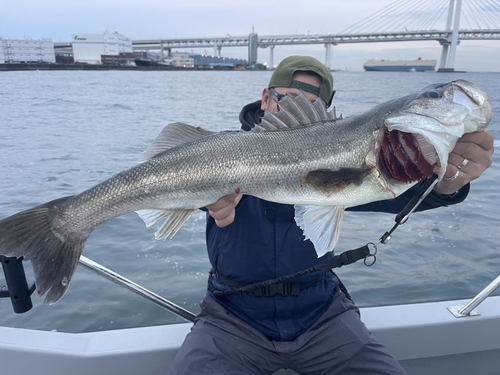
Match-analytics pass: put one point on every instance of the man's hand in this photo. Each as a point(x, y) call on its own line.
point(223, 210)
point(472, 155)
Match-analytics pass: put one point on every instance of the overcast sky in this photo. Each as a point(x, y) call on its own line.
point(148, 19)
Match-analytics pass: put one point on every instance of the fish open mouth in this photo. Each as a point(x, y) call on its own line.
point(401, 158)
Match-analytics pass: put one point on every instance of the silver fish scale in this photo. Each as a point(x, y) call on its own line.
point(269, 165)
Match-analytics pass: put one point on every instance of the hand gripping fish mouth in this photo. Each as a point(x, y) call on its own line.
point(420, 136)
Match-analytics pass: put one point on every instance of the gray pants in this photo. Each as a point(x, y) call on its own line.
point(338, 343)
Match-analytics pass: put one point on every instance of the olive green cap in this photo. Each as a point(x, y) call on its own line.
point(282, 76)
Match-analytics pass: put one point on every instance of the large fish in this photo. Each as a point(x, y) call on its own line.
point(301, 155)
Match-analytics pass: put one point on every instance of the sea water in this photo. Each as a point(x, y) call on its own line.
point(63, 132)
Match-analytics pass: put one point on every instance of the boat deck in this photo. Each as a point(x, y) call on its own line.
point(426, 338)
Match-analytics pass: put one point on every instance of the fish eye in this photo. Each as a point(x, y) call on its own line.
point(433, 94)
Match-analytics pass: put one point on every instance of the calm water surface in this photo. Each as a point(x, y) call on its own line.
point(63, 132)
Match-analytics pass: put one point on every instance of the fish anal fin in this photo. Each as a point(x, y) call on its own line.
point(174, 220)
point(173, 135)
point(321, 225)
point(330, 181)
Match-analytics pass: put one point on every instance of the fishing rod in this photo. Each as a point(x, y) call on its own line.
point(402, 217)
point(136, 288)
point(411, 206)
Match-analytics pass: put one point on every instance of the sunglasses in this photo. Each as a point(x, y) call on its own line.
point(276, 94)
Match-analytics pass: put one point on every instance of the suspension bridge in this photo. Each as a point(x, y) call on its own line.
point(446, 21)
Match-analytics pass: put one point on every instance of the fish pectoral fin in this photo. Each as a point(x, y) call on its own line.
point(330, 181)
point(173, 135)
point(321, 225)
point(174, 220)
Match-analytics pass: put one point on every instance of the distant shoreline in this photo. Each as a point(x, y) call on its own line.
point(10, 67)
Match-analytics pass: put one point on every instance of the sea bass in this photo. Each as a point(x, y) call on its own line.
point(301, 155)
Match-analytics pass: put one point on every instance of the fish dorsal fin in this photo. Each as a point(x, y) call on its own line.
point(320, 224)
point(295, 111)
point(173, 135)
point(174, 220)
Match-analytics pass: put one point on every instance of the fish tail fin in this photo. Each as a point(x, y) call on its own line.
point(29, 234)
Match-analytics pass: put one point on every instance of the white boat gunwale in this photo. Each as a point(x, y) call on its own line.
point(423, 337)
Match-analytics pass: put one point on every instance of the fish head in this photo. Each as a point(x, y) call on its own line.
point(426, 126)
point(470, 96)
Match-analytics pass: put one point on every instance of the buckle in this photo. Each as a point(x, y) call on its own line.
point(285, 289)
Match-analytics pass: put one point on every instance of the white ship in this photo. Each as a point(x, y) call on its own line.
point(417, 65)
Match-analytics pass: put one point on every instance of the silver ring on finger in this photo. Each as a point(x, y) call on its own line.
point(463, 164)
point(452, 178)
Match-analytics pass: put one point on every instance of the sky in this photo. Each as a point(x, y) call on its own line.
point(152, 19)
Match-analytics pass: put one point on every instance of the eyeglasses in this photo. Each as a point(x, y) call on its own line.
point(276, 94)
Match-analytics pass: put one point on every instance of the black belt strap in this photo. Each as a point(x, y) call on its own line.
point(279, 286)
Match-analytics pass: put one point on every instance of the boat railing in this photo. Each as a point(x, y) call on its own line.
point(469, 308)
point(136, 288)
point(19, 292)
point(458, 311)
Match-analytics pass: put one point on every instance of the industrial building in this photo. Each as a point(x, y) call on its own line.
point(181, 60)
point(109, 49)
point(89, 48)
point(217, 61)
point(27, 50)
point(188, 60)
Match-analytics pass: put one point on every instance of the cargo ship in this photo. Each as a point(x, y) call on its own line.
point(417, 65)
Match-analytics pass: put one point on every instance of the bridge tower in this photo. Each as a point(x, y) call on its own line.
point(271, 57)
point(328, 53)
point(253, 43)
point(449, 47)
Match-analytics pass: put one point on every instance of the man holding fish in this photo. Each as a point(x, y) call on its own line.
point(309, 324)
point(288, 178)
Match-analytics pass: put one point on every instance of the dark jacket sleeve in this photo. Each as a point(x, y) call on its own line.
point(431, 201)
